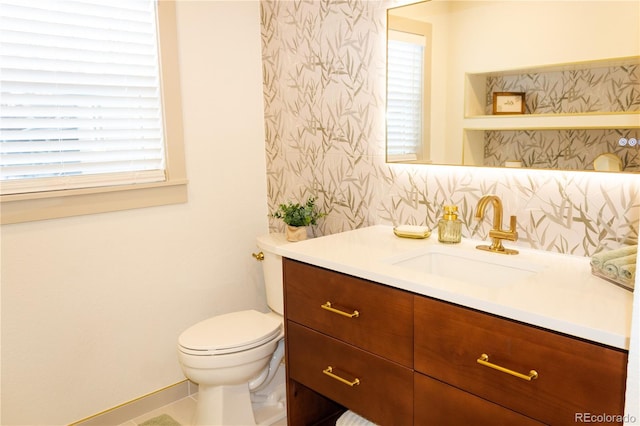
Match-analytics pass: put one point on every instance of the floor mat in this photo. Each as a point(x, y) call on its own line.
point(161, 420)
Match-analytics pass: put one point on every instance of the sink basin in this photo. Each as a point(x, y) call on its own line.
point(469, 265)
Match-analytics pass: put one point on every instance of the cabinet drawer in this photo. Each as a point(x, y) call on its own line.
point(437, 403)
point(384, 392)
point(574, 376)
point(384, 321)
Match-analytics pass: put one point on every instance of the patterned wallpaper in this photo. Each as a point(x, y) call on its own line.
point(561, 149)
point(324, 88)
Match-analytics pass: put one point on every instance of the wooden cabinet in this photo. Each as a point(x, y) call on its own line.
point(573, 376)
point(440, 404)
point(364, 333)
point(398, 359)
point(352, 377)
point(383, 319)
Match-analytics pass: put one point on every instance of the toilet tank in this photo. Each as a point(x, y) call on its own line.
point(272, 268)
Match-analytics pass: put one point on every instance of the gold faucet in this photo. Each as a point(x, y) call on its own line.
point(497, 234)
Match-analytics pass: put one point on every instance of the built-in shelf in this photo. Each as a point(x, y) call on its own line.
point(476, 97)
point(606, 90)
point(567, 66)
point(622, 120)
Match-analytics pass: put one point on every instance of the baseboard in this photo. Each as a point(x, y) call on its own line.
point(139, 406)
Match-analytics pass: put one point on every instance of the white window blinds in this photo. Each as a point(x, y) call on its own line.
point(79, 94)
point(405, 57)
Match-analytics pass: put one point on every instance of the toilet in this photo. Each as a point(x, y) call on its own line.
point(234, 357)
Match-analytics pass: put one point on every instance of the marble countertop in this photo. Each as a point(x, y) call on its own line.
point(563, 296)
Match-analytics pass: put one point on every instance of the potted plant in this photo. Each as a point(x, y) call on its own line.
point(297, 217)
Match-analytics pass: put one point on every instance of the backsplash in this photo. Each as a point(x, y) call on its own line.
point(324, 90)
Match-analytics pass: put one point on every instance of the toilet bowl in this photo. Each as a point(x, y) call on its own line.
point(233, 356)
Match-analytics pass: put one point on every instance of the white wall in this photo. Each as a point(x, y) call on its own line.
point(92, 306)
point(632, 397)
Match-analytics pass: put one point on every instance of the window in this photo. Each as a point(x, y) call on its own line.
point(405, 64)
point(408, 121)
point(82, 107)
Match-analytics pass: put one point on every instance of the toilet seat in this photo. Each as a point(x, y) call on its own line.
point(230, 333)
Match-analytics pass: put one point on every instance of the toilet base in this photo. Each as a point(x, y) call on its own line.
point(269, 404)
point(235, 405)
point(224, 405)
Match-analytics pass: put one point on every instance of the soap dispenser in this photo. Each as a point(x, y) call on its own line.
point(450, 227)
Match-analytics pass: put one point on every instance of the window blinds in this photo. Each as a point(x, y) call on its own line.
point(405, 57)
point(79, 94)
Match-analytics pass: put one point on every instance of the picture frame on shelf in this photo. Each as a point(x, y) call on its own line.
point(508, 103)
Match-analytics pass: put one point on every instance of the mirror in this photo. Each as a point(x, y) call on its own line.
point(575, 65)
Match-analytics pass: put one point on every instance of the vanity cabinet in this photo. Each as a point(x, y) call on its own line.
point(371, 385)
point(572, 376)
point(378, 319)
point(398, 358)
point(356, 351)
point(439, 404)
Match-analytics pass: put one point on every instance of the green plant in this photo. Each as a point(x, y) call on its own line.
point(299, 215)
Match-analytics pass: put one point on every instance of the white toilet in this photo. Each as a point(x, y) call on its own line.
point(232, 357)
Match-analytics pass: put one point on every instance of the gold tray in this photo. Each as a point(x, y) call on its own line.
point(418, 233)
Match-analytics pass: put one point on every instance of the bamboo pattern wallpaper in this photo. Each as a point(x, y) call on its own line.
point(561, 149)
point(324, 89)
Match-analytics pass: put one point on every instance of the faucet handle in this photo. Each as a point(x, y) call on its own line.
point(512, 233)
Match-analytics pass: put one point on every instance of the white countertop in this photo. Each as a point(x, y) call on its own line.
point(563, 297)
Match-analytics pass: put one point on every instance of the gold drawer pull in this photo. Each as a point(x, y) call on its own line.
point(329, 372)
point(328, 307)
point(484, 360)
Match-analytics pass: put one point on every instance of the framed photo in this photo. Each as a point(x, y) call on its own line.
point(508, 103)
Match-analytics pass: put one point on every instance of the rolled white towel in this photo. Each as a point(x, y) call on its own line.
point(628, 272)
point(612, 266)
point(598, 260)
point(349, 418)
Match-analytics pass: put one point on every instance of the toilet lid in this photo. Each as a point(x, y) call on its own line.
point(232, 332)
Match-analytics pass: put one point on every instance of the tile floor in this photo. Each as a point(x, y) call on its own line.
point(181, 411)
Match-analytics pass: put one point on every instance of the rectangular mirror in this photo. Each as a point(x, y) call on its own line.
point(576, 66)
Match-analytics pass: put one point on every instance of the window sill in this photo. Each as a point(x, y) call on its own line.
point(58, 204)
point(18, 208)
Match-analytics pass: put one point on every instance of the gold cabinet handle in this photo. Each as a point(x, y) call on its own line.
point(484, 360)
point(329, 372)
point(258, 256)
point(328, 307)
